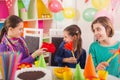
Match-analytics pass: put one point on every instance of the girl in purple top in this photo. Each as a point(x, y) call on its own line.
point(11, 40)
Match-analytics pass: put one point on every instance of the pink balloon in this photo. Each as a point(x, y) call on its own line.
point(55, 6)
point(104, 13)
point(114, 3)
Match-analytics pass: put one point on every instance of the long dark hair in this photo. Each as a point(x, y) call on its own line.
point(11, 21)
point(75, 30)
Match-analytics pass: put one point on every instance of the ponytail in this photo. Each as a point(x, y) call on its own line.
point(79, 44)
point(2, 33)
point(74, 30)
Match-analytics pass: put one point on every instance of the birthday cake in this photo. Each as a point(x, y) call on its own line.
point(33, 74)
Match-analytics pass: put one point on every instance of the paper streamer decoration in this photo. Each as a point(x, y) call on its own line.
point(26, 3)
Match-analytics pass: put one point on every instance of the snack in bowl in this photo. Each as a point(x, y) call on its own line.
point(60, 70)
point(33, 74)
point(24, 65)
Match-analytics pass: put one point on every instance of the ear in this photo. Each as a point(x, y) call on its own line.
point(10, 29)
point(74, 37)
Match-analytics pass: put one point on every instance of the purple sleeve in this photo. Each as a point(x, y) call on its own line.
point(25, 57)
point(28, 59)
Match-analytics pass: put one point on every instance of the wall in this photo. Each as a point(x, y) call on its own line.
point(85, 26)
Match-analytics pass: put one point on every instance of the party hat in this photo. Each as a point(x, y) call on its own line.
point(26, 3)
point(78, 73)
point(89, 71)
point(42, 62)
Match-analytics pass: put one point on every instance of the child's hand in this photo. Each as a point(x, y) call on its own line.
point(38, 52)
point(70, 60)
point(102, 66)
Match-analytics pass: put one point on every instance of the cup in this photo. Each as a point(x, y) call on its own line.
point(36, 64)
point(103, 74)
point(68, 75)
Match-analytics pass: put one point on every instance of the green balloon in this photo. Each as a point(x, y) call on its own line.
point(58, 16)
point(89, 14)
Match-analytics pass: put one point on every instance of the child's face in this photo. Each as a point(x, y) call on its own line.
point(17, 31)
point(67, 37)
point(99, 32)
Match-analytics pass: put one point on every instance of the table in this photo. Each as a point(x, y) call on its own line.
point(110, 77)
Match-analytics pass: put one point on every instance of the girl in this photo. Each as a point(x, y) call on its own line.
point(11, 40)
point(104, 47)
point(63, 56)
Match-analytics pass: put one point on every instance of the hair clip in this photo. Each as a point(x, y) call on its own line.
point(77, 32)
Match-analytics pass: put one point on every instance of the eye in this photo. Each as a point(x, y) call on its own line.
point(98, 29)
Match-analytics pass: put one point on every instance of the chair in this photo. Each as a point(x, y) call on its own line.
point(33, 38)
point(56, 37)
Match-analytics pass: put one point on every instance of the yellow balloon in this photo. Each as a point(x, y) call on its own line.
point(69, 13)
point(100, 4)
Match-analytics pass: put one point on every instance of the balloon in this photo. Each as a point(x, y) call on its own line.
point(114, 3)
point(86, 1)
point(100, 4)
point(69, 13)
point(58, 16)
point(104, 13)
point(55, 6)
point(89, 14)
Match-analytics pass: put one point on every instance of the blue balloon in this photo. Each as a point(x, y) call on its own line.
point(58, 16)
